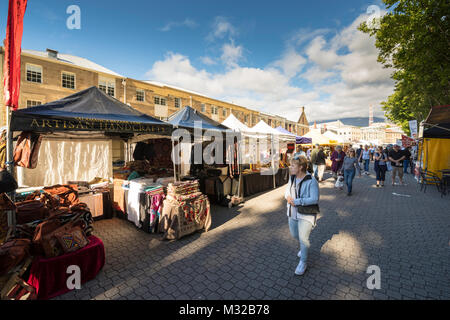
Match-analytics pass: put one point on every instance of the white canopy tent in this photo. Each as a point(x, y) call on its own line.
point(317, 137)
point(334, 137)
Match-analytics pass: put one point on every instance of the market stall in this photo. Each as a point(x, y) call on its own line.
point(55, 220)
point(216, 179)
point(434, 144)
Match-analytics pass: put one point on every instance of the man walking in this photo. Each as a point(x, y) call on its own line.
point(313, 158)
point(321, 164)
point(396, 157)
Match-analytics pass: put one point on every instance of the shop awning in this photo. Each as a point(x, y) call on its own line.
point(437, 124)
point(318, 138)
point(298, 139)
point(87, 110)
point(189, 118)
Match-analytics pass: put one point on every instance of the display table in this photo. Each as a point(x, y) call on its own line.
point(49, 276)
point(282, 177)
point(255, 182)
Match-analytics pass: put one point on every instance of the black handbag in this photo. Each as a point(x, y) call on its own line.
point(312, 209)
point(7, 182)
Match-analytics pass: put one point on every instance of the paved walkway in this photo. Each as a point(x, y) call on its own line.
point(249, 253)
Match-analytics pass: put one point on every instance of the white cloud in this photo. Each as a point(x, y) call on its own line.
point(221, 28)
point(208, 61)
point(231, 54)
point(342, 73)
point(173, 24)
point(291, 63)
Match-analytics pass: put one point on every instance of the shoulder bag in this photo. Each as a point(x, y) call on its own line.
point(312, 209)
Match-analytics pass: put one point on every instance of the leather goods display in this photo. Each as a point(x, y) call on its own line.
point(7, 182)
point(67, 195)
point(12, 253)
point(26, 151)
point(45, 238)
point(71, 238)
point(5, 205)
point(44, 241)
point(29, 211)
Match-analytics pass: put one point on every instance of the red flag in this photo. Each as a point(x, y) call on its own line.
point(13, 42)
point(407, 141)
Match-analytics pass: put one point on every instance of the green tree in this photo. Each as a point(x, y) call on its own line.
point(413, 39)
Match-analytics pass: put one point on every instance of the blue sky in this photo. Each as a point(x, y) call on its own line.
point(274, 56)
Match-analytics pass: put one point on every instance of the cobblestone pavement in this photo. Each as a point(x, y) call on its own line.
point(249, 253)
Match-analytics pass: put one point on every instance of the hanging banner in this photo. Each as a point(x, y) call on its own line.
point(407, 141)
point(413, 128)
point(13, 42)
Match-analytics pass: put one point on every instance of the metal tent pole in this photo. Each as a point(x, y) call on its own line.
point(173, 161)
point(273, 163)
point(10, 164)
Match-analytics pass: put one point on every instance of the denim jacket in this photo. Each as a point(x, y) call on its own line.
point(309, 195)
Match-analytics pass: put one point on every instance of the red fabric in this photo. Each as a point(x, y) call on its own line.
point(49, 276)
point(407, 141)
point(13, 42)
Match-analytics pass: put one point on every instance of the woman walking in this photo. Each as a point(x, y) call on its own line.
point(302, 196)
point(350, 167)
point(380, 166)
point(337, 157)
point(365, 156)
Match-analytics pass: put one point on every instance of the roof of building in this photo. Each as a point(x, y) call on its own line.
point(76, 61)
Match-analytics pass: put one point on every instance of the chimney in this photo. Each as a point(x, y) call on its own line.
point(52, 53)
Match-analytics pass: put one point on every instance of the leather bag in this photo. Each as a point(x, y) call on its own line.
point(26, 152)
point(65, 195)
point(12, 253)
point(45, 240)
point(29, 211)
point(71, 238)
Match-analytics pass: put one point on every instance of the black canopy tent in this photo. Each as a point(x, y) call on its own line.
point(188, 117)
point(88, 113)
point(87, 110)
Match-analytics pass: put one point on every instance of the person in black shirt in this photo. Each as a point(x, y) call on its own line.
point(396, 156)
point(321, 163)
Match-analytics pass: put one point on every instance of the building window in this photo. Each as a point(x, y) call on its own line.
point(160, 101)
point(68, 80)
point(34, 73)
point(245, 118)
point(214, 110)
point(203, 108)
point(177, 103)
point(33, 103)
point(140, 95)
point(269, 122)
point(224, 112)
point(108, 86)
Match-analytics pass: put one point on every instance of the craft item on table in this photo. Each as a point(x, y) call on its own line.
point(165, 181)
point(134, 175)
point(137, 186)
point(185, 210)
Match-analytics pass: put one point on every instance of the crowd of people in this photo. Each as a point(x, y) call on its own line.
point(307, 168)
point(348, 162)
